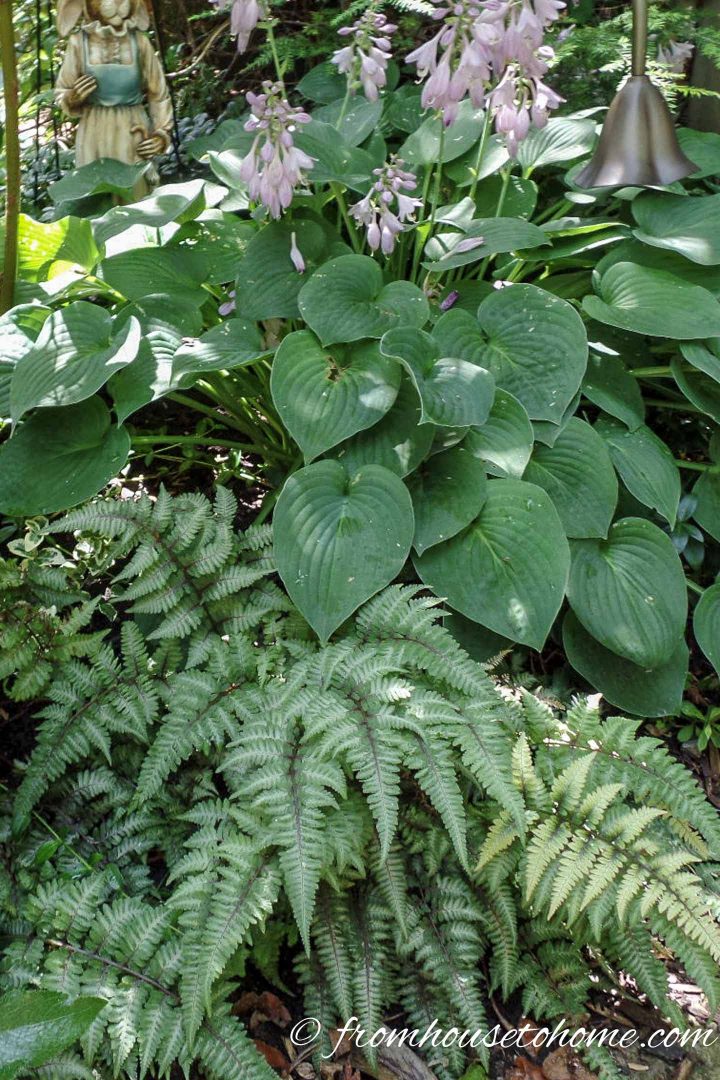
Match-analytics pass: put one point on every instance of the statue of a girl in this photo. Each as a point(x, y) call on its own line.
point(112, 79)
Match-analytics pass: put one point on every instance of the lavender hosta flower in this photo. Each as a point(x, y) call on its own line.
point(229, 306)
point(386, 208)
point(365, 59)
point(296, 257)
point(450, 300)
point(273, 168)
point(492, 52)
point(244, 17)
point(675, 55)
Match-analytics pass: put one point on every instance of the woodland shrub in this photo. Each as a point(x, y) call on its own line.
point(210, 786)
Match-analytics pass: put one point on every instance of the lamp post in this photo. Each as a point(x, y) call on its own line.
point(638, 145)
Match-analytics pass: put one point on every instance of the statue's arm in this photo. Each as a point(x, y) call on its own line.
point(157, 93)
point(73, 86)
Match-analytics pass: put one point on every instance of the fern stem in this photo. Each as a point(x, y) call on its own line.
point(105, 961)
point(56, 836)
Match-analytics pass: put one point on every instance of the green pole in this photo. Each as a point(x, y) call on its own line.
point(639, 36)
point(12, 154)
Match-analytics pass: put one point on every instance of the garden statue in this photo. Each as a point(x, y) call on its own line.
point(112, 80)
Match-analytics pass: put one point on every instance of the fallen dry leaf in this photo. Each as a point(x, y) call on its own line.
point(524, 1069)
point(564, 1064)
point(274, 1057)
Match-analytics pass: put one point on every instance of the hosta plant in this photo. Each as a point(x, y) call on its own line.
point(478, 376)
point(212, 785)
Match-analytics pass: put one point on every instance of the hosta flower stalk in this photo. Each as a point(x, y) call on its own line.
point(364, 60)
point(273, 168)
point(491, 52)
point(387, 209)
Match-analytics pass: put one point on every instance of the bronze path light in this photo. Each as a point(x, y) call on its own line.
point(638, 145)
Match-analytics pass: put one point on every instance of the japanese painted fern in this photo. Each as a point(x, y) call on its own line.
point(207, 770)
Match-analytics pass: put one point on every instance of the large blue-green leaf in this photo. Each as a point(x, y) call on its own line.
point(645, 464)
point(103, 177)
point(505, 440)
point(42, 243)
point(335, 160)
point(453, 392)
point(706, 624)
point(75, 354)
point(498, 234)
point(698, 388)
point(355, 120)
point(325, 395)
point(169, 203)
point(340, 538)
point(424, 146)
point(36, 1025)
point(232, 344)
point(563, 139)
point(398, 442)
point(533, 343)
point(653, 302)
point(346, 300)
point(448, 492)
point(60, 457)
point(578, 475)
point(140, 271)
point(685, 224)
point(610, 385)
point(629, 591)
point(642, 691)
point(507, 570)
point(707, 509)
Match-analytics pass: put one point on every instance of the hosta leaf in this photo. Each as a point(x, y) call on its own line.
point(610, 386)
point(703, 355)
point(221, 238)
point(423, 146)
point(703, 148)
point(632, 251)
point(398, 441)
point(359, 117)
point(169, 203)
point(326, 395)
point(453, 392)
point(642, 691)
point(629, 591)
point(505, 440)
point(40, 243)
point(536, 348)
point(548, 433)
point(346, 300)
point(335, 159)
point(706, 624)
point(645, 464)
point(233, 343)
point(508, 570)
point(104, 176)
point(448, 492)
point(150, 376)
point(520, 197)
point(141, 271)
point(267, 282)
point(340, 538)
point(578, 475)
point(463, 170)
point(653, 302)
point(707, 509)
point(498, 234)
point(36, 1025)
point(684, 224)
point(562, 139)
point(698, 388)
point(60, 457)
point(322, 83)
point(73, 357)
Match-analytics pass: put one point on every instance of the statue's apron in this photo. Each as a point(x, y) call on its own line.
point(118, 84)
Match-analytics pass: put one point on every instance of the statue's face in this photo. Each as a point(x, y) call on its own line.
point(110, 12)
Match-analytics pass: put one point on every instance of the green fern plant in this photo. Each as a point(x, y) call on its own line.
point(208, 771)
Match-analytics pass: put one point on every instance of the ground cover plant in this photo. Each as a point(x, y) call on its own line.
point(208, 782)
point(474, 411)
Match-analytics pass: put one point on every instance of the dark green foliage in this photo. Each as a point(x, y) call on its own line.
point(210, 768)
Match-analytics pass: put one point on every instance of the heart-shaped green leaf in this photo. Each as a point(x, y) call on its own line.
point(141, 271)
point(326, 395)
point(355, 120)
point(505, 440)
point(169, 203)
point(629, 591)
point(335, 160)
point(150, 376)
point(534, 344)
point(497, 234)
point(707, 510)
point(698, 388)
point(578, 475)
point(645, 464)
point(346, 300)
point(642, 691)
point(706, 624)
point(60, 457)
point(562, 139)
point(104, 176)
point(232, 344)
point(429, 143)
point(36, 1025)
point(689, 226)
point(339, 539)
point(73, 357)
point(453, 392)
point(398, 442)
point(448, 492)
point(268, 283)
point(507, 570)
point(609, 385)
point(40, 243)
point(653, 302)
point(703, 355)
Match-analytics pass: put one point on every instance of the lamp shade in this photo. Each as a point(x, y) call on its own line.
point(638, 145)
